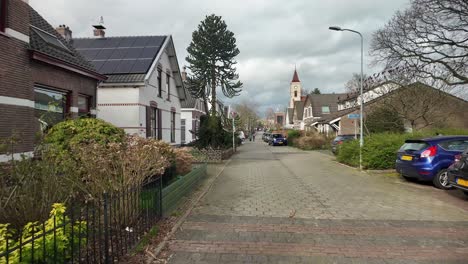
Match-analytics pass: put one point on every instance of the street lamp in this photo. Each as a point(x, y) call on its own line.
point(361, 138)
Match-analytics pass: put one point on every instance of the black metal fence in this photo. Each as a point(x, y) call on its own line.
point(98, 232)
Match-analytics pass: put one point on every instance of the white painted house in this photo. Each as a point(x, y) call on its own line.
point(144, 88)
point(192, 110)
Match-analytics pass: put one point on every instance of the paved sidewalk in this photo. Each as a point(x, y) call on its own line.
point(283, 205)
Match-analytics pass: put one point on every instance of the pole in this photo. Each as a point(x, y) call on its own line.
point(233, 132)
point(361, 140)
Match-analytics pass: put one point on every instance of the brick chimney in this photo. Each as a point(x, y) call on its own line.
point(99, 29)
point(65, 32)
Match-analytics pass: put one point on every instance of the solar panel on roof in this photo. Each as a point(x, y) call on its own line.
point(89, 54)
point(118, 53)
point(124, 66)
point(98, 65)
point(141, 66)
point(149, 52)
point(126, 42)
point(133, 53)
point(98, 43)
point(109, 66)
point(156, 41)
point(140, 42)
point(113, 42)
point(104, 54)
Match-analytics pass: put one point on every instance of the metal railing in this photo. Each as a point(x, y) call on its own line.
point(93, 232)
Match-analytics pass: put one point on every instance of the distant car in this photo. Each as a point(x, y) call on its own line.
point(339, 140)
point(428, 159)
point(458, 172)
point(278, 140)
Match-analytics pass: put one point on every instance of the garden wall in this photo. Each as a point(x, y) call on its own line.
point(212, 155)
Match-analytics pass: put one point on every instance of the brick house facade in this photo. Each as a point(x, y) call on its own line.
point(38, 65)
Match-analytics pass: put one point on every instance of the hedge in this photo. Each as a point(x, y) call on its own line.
point(379, 151)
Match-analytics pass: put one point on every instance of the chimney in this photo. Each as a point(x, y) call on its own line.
point(99, 29)
point(65, 32)
point(184, 74)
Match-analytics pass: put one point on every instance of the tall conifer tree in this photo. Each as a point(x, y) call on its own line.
point(211, 58)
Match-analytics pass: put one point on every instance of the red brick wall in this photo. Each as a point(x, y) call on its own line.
point(55, 77)
point(19, 73)
point(18, 16)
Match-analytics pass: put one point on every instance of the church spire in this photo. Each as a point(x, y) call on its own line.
point(295, 76)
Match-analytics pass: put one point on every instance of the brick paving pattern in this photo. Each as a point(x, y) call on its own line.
point(282, 205)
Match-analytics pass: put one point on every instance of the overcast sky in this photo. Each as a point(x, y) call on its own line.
point(272, 35)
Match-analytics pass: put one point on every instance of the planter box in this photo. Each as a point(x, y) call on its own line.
point(173, 194)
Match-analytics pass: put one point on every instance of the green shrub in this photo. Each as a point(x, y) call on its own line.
point(29, 187)
point(212, 133)
point(60, 239)
point(82, 130)
point(379, 151)
point(293, 135)
point(348, 153)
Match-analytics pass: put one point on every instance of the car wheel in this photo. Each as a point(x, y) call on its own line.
point(441, 180)
point(466, 193)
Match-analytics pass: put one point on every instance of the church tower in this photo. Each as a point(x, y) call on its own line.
point(295, 89)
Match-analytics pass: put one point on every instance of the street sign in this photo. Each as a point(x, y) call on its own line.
point(354, 116)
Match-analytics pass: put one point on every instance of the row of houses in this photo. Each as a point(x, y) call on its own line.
point(47, 75)
point(419, 105)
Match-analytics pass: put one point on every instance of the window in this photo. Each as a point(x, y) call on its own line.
point(182, 130)
point(50, 106)
point(154, 122)
point(455, 145)
point(159, 83)
point(295, 93)
point(325, 109)
point(168, 87)
point(173, 126)
point(83, 105)
point(50, 39)
point(3, 15)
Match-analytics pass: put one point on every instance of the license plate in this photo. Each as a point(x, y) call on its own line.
point(404, 157)
point(462, 182)
point(280, 142)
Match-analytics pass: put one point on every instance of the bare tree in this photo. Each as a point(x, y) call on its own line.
point(420, 106)
point(353, 86)
point(247, 112)
point(429, 40)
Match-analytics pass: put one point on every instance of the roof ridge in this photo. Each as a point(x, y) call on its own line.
point(135, 36)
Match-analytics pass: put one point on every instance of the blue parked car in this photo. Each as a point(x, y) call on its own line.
point(428, 159)
point(277, 140)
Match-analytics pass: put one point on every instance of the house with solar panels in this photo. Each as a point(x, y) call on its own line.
point(144, 87)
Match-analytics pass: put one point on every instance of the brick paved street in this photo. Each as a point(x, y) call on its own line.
point(283, 205)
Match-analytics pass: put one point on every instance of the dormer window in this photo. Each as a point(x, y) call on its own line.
point(3, 15)
point(325, 109)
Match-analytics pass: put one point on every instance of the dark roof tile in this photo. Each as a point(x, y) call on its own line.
point(39, 26)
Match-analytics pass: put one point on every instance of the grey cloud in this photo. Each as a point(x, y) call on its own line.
point(272, 35)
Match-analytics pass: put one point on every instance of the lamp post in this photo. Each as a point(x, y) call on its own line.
point(361, 138)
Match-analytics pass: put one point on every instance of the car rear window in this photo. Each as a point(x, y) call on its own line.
point(277, 136)
point(454, 145)
point(414, 146)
